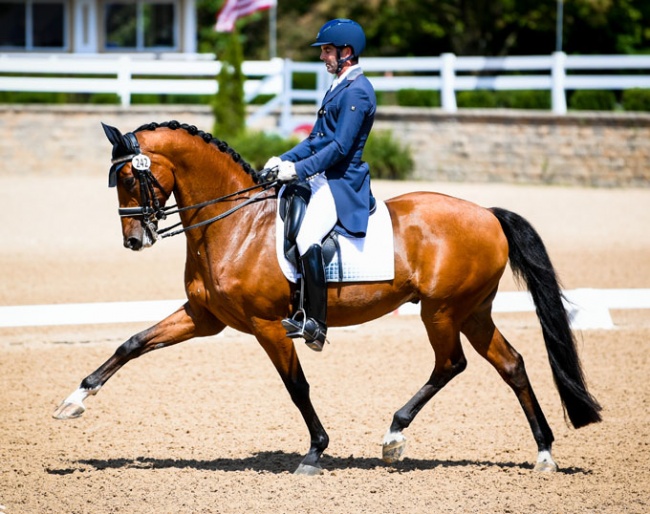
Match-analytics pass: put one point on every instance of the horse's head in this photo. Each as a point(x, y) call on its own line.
point(142, 194)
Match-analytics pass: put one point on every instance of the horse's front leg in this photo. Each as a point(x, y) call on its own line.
point(176, 328)
point(282, 352)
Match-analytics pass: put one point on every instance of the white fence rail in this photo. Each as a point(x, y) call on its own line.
point(126, 75)
point(587, 309)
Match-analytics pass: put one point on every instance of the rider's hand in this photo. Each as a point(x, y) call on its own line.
point(273, 162)
point(286, 171)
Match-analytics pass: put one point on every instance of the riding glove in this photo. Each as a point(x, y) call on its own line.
point(286, 171)
point(273, 162)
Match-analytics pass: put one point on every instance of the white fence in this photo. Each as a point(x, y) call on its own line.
point(587, 308)
point(126, 75)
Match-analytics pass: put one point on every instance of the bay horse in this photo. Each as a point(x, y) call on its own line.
point(450, 255)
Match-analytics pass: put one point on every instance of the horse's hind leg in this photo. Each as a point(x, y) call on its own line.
point(490, 343)
point(176, 328)
point(449, 362)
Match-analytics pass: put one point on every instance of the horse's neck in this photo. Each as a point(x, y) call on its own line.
point(214, 176)
point(204, 180)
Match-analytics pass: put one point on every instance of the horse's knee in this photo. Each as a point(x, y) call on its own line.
point(131, 347)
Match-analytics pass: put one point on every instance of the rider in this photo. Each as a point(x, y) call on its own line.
point(329, 161)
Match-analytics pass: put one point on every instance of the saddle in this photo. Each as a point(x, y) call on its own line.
point(293, 205)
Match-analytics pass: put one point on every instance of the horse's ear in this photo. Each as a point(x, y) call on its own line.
point(113, 134)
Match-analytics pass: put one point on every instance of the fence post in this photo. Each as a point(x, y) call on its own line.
point(448, 76)
point(558, 76)
point(287, 97)
point(123, 80)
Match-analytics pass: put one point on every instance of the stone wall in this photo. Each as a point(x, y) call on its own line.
point(590, 149)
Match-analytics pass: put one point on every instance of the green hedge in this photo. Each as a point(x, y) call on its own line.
point(257, 147)
point(636, 100)
point(387, 157)
point(418, 98)
point(487, 99)
point(592, 100)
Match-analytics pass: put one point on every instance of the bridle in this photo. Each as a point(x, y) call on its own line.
point(150, 208)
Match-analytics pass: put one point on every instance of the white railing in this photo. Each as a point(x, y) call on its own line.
point(587, 309)
point(126, 75)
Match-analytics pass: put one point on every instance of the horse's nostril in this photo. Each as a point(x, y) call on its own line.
point(132, 243)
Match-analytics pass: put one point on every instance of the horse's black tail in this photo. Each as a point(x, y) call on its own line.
point(529, 261)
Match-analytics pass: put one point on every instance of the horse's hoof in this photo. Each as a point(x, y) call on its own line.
point(392, 452)
point(546, 467)
point(69, 410)
point(307, 470)
point(545, 462)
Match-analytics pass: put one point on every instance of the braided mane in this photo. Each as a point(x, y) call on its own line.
point(208, 138)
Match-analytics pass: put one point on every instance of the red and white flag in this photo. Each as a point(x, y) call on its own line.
point(234, 9)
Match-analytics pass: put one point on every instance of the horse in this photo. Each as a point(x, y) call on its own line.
point(450, 255)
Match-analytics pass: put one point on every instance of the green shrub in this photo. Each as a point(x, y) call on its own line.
point(177, 99)
point(418, 98)
point(525, 99)
point(636, 100)
point(592, 100)
point(387, 158)
point(261, 99)
point(104, 98)
point(145, 99)
point(304, 80)
point(481, 98)
point(257, 147)
point(488, 99)
point(386, 97)
point(28, 97)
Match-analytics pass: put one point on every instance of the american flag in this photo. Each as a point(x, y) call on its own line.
point(234, 9)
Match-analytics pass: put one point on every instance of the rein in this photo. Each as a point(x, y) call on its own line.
point(168, 210)
point(150, 208)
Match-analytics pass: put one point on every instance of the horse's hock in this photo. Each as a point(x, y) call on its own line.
point(533, 147)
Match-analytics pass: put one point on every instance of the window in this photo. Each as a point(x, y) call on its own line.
point(142, 25)
point(33, 24)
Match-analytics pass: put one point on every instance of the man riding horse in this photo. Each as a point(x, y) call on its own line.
point(330, 162)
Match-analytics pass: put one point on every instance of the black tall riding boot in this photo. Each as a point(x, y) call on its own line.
point(311, 324)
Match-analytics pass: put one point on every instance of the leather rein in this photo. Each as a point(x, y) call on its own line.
point(150, 208)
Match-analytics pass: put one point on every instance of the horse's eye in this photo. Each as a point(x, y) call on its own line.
point(129, 182)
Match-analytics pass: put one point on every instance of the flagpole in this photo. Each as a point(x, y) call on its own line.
point(273, 30)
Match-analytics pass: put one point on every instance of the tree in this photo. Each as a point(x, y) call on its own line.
point(464, 27)
point(228, 107)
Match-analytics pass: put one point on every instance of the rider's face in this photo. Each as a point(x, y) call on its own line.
point(329, 57)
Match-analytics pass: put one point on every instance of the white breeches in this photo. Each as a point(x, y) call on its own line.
point(320, 216)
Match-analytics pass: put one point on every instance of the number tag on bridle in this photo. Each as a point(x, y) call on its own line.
point(141, 162)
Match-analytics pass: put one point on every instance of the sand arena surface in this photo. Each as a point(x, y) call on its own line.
point(206, 426)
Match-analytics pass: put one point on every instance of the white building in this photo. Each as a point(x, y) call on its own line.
point(98, 26)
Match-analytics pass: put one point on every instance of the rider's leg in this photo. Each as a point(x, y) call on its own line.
point(319, 220)
point(312, 327)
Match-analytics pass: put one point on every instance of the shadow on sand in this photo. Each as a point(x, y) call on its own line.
point(282, 462)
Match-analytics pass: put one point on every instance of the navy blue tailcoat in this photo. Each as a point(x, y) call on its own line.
point(335, 146)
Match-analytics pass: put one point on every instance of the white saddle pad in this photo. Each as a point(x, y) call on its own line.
point(368, 259)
